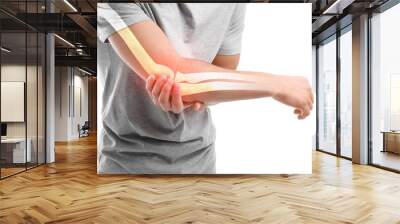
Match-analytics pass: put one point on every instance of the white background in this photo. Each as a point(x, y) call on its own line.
point(262, 135)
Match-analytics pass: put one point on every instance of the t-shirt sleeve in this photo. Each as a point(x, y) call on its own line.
point(232, 42)
point(112, 17)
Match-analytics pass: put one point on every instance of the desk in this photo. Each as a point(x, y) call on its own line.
point(391, 141)
point(13, 150)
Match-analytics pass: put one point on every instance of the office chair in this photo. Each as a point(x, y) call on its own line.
point(84, 130)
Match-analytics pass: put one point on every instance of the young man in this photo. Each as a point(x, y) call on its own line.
point(146, 126)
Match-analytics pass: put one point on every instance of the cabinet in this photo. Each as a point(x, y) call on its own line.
point(391, 142)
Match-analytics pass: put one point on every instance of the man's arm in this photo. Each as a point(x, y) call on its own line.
point(293, 91)
point(131, 51)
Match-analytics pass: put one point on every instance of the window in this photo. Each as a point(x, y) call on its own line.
point(385, 89)
point(327, 96)
point(346, 93)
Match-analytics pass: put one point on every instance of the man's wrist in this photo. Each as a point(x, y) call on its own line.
point(275, 85)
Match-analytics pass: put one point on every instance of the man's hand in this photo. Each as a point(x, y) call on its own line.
point(295, 91)
point(166, 94)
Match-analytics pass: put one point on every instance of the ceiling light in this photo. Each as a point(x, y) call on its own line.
point(338, 6)
point(84, 71)
point(64, 40)
point(79, 51)
point(5, 50)
point(70, 5)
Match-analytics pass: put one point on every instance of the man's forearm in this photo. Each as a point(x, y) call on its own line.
point(211, 84)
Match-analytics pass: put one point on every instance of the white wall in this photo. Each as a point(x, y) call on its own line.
point(61, 103)
point(68, 81)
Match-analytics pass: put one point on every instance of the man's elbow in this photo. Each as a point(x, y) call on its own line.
point(171, 61)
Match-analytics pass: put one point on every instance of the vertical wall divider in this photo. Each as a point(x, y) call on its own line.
point(317, 96)
point(73, 91)
point(60, 76)
point(44, 70)
point(37, 88)
point(338, 82)
point(369, 96)
point(1, 53)
point(69, 92)
point(26, 86)
point(360, 90)
point(45, 90)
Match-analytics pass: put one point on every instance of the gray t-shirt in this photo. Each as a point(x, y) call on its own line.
point(137, 136)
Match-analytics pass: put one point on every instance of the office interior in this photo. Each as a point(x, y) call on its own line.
point(48, 91)
point(48, 80)
point(337, 83)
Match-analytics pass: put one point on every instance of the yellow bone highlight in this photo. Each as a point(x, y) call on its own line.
point(141, 55)
point(203, 77)
point(212, 86)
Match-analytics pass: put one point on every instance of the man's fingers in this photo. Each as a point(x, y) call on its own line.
point(298, 112)
point(312, 97)
point(176, 101)
point(150, 83)
point(198, 106)
point(305, 113)
point(165, 94)
point(302, 112)
point(159, 83)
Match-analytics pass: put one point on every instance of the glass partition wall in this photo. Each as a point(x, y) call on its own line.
point(334, 94)
point(13, 110)
point(385, 89)
point(22, 89)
